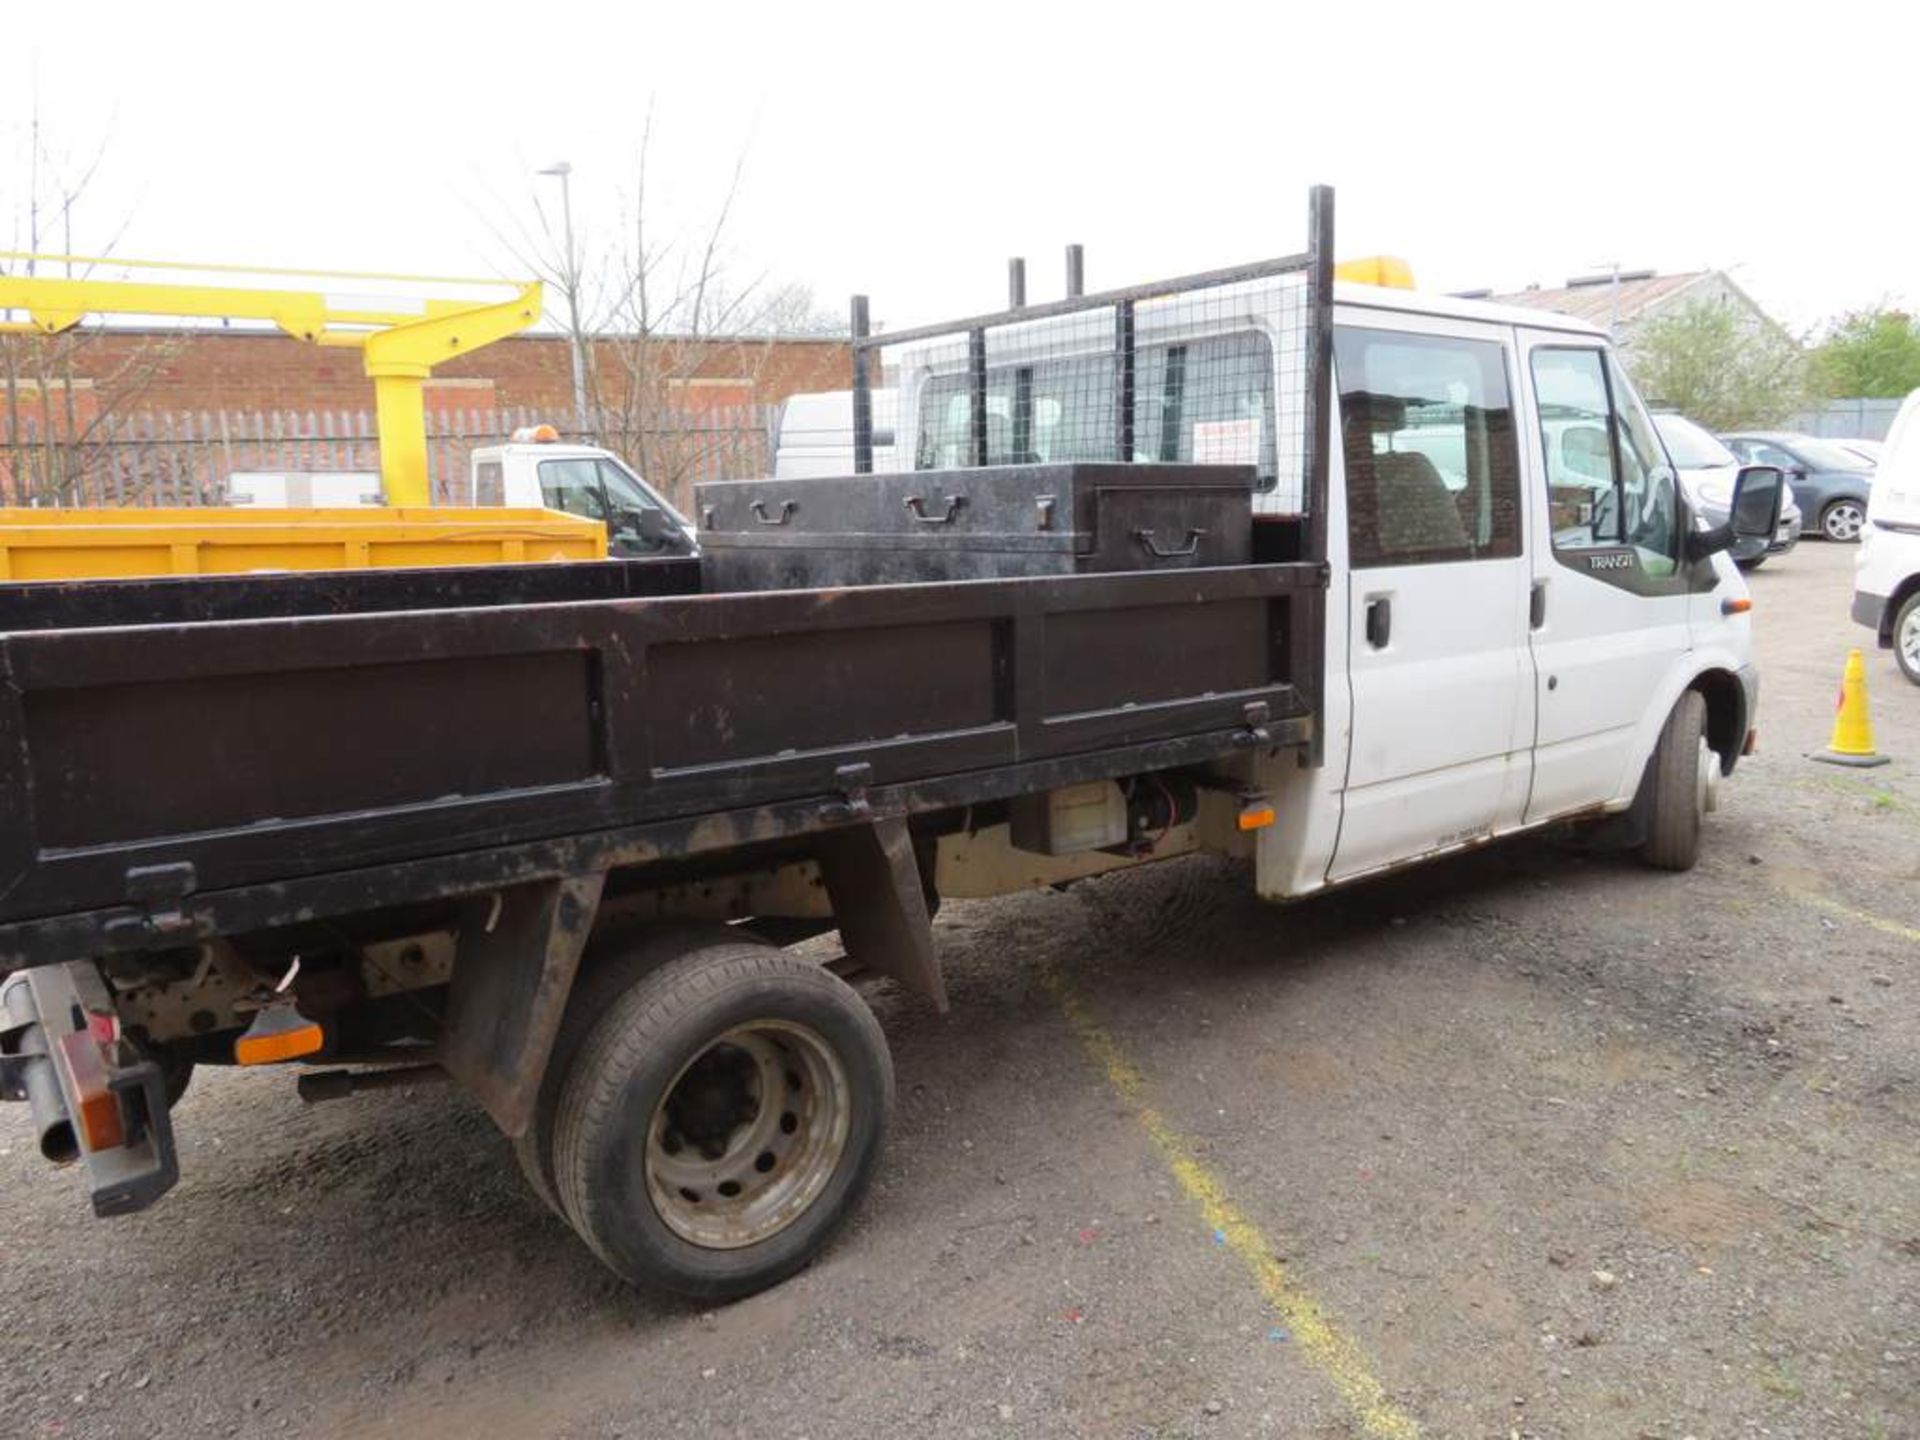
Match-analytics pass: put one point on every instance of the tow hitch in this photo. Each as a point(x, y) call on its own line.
point(93, 1098)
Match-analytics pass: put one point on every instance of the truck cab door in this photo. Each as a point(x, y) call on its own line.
point(639, 521)
point(1612, 595)
point(1438, 666)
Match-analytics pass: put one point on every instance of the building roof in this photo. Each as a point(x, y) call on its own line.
point(1599, 300)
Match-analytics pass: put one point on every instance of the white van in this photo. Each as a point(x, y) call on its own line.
point(1886, 579)
point(816, 434)
point(1524, 624)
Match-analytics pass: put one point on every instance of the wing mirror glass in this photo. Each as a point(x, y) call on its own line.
point(1758, 493)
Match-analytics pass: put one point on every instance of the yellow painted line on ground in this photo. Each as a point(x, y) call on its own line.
point(1335, 1353)
point(1859, 917)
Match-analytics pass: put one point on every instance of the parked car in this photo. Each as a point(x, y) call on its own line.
point(1871, 451)
point(1886, 573)
point(1830, 484)
point(1707, 469)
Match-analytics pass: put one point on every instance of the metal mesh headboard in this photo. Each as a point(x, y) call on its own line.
point(1227, 366)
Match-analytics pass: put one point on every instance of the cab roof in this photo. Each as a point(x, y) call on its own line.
point(1417, 302)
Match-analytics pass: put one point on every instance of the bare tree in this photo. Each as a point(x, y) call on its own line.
point(49, 451)
point(667, 316)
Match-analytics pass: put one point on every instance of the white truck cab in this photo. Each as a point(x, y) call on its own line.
point(1886, 580)
point(1523, 624)
point(537, 470)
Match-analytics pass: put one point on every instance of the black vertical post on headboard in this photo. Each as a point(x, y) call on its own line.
point(862, 390)
point(1319, 436)
point(977, 394)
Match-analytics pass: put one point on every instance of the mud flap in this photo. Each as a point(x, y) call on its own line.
point(513, 969)
point(880, 903)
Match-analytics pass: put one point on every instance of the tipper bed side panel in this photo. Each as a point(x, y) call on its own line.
point(142, 764)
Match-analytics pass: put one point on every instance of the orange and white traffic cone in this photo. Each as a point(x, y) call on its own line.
point(1852, 742)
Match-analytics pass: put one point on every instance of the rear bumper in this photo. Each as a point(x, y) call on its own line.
point(94, 1099)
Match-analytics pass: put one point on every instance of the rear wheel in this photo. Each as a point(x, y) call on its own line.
point(1843, 520)
point(721, 1120)
point(613, 964)
point(1680, 786)
point(1906, 637)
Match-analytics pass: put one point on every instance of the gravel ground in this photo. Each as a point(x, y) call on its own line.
point(1567, 1148)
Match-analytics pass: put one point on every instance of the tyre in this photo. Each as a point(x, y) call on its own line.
point(612, 965)
point(1679, 786)
point(1754, 564)
point(721, 1120)
point(1906, 637)
point(1843, 520)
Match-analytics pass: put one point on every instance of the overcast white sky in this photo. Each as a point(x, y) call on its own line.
point(907, 150)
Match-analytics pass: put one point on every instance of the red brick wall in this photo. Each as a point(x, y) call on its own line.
point(258, 371)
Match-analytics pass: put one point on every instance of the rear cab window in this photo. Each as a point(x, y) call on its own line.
point(1205, 400)
point(1428, 439)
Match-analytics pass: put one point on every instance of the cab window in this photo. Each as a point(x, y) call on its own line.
point(573, 486)
point(1427, 435)
point(1609, 486)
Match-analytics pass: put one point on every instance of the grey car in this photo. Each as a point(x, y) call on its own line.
point(1707, 471)
point(1831, 484)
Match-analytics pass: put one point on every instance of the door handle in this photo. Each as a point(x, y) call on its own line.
point(1537, 605)
point(1379, 622)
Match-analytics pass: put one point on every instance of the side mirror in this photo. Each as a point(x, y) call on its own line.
point(640, 529)
point(1759, 493)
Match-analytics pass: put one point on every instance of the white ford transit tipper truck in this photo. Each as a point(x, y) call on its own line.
point(547, 829)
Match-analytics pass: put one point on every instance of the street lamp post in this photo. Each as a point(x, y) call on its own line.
point(570, 277)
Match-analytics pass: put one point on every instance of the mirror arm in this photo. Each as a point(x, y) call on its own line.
point(1702, 543)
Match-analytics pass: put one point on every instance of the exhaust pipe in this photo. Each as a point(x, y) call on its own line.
point(28, 1073)
point(51, 1124)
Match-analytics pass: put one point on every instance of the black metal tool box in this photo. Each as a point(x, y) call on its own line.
point(999, 522)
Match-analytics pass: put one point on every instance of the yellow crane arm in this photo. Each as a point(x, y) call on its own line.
point(400, 346)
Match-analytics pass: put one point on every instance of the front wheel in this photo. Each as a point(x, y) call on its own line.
point(1679, 786)
point(1906, 637)
point(1843, 521)
point(721, 1120)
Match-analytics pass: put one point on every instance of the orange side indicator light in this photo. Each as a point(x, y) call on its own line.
point(1736, 605)
point(1255, 815)
point(279, 1032)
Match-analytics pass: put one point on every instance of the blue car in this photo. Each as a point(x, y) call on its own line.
point(1832, 484)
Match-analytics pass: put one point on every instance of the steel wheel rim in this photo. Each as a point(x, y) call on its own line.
point(1909, 640)
point(1707, 781)
point(772, 1098)
point(1844, 520)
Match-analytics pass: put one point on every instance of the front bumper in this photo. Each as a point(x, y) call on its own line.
point(1787, 536)
point(1871, 611)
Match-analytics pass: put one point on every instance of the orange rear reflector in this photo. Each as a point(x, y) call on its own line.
point(101, 1127)
point(96, 1109)
point(1256, 815)
point(278, 1033)
point(1733, 606)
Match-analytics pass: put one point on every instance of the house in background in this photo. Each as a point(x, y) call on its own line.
point(1621, 302)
